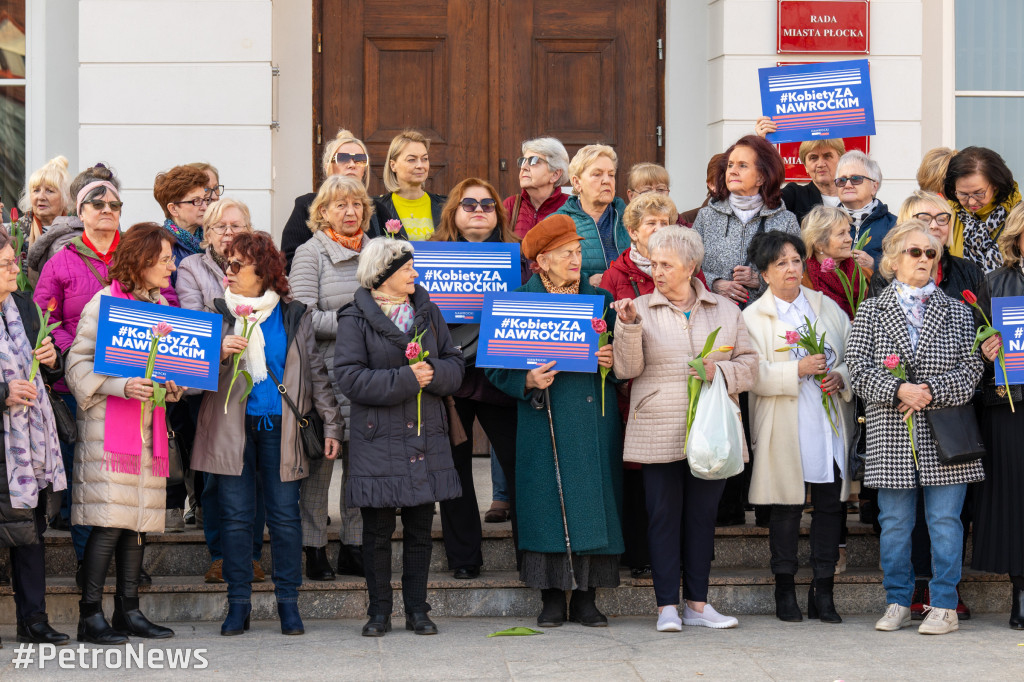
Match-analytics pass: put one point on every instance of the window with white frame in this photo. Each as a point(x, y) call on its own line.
point(990, 78)
point(12, 102)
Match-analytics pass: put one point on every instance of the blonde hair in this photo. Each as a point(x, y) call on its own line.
point(931, 174)
point(917, 201)
point(344, 137)
point(216, 211)
point(645, 205)
point(1009, 238)
point(816, 228)
point(203, 166)
point(586, 156)
point(53, 173)
point(400, 142)
point(834, 143)
point(338, 187)
point(647, 173)
point(892, 246)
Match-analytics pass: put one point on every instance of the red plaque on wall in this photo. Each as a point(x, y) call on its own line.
point(823, 26)
point(790, 152)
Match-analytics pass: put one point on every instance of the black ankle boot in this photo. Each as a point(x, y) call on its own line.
point(786, 608)
point(1017, 610)
point(583, 609)
point(317, 565)
point(129, 620)
point(820, 603)
point(553, 613)
point(350, 560)
point(94, 628)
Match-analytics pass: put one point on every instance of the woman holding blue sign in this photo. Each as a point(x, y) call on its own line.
point(474, 213)
point(588, 481)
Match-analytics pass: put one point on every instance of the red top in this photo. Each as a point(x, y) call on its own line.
point(109, 255)
point(528, 216)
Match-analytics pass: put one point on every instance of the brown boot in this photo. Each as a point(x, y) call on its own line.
point(258, 575)
point(216, 572)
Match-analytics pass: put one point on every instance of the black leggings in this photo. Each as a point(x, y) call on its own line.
point(826, 529)
point(104, 544)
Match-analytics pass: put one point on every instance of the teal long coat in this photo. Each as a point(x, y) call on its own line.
point(594, 261)
point(589, 455)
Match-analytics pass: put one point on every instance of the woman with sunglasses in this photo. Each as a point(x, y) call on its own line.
point(474, 213)
point(344, 155)
point(981, 192)
point(182, 194)
point(543, 170)
point(858, 178)
point(405, 177)
point(932, 336)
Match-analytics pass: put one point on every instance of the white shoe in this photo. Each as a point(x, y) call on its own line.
point(939, 621)
point(668, 620)
point(895, 618)
point(708, 619)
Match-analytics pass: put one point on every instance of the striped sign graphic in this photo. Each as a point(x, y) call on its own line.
point(1008, 318)
point(458, 274)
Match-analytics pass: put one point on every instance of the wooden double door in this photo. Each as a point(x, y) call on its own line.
point(480, 76)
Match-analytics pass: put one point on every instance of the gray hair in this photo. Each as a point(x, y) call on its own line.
point(892, 246)
point(376, 256)
point(857, 157)
point(683, 241)
point(554, 153)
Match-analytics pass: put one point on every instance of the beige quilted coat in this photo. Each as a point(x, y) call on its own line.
point(654, 352)
point(101, 497)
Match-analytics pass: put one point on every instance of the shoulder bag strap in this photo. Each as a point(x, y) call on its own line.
point(91, 267)
point(636, 289)
point(284, 394)
point(515, 212)
point(760, 229)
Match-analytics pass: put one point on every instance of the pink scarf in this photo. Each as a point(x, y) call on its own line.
point(123, 446)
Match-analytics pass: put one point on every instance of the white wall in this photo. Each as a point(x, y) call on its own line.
point(687, 146)
point(167, 82)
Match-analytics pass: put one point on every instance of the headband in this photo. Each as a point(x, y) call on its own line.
point(393, 267)
point(90, 187)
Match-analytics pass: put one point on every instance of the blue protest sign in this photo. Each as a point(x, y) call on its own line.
point(524, 330)
point(1008, 318)
point(458, 274)
point(818, 101)
point(189, 355)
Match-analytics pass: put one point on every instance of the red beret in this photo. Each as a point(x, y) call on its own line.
point(554, 231)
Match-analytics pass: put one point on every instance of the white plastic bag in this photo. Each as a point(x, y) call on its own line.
point(714, 445)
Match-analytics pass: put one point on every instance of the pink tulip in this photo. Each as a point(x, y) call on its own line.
point(161, 330)
point(892, 361)
point(252, 318)
point(412, 351)
point(225, 282)
point(243, 310)
point(394, 226)
point(792, 337)
point(828, 265)
point(599, 325)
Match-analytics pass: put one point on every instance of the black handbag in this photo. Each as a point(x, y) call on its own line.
point(957, 436)
point(311, 424)
point(993, 395)
point(175, 467)
point(67, 426)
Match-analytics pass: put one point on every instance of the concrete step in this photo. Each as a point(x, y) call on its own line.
point(495, 593)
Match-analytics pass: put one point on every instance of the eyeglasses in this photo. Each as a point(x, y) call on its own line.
point(855, 179)
point(99, 205)
point(941, 219)
point(216, 189)
point(168, 260)
point(977, 196)
point(236, 266)
point(221, 229)
point(198, 201)
point(915, 252)
point(341, 158)
point(660, 189)
point(530, 160)
point(470, 205)
point(9, 264)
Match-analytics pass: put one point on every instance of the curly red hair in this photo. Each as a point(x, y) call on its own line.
point(138, 250)
point(259, 249)
point(769, 166)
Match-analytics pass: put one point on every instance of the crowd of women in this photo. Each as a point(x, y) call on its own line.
point(840, 334)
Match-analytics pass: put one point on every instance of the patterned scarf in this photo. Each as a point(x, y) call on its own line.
point(220, 260)
point(572, 288)
point(397, 308)
point(914, 302)
point(980, 236)
point(186, 240)
point(746, 208)
point(30, 434)
point(644, 264)
point(829, 284)
point(353, 243)
point(859, 215)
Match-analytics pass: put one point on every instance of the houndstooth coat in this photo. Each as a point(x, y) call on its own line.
point(943, 360)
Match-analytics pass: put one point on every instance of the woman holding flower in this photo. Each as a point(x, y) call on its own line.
point(797, 441)
point(657, 336)
point(122, 496)
point(253, 438)
point(829, 248)
point(931, 336)
point(400, 453)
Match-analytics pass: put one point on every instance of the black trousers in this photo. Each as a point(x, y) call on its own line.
point(460, 518)
point(378, 527)
point(734, 497)
point(28, 573)
point(826, 529)
point(676, 500)
point(103, 545)
point(634, 519)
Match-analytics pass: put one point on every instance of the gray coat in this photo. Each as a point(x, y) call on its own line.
point(389, 464)
point(726, 238)
point(200, 282)
point(323, 276)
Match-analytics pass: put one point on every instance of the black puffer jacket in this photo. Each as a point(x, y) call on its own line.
point(389, 464)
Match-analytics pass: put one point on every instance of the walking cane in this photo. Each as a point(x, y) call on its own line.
point(561, 495)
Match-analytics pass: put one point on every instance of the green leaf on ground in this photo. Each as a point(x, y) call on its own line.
point(515, 632)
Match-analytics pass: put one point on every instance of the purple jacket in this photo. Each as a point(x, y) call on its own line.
point(67, 278)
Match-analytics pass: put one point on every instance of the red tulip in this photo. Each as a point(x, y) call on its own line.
point(969, 297)
point(891, 361)
point(14, 215)
point(792, 337)
point(599, 325)
point(412, 350)
point(828, 265)
point(52, 305)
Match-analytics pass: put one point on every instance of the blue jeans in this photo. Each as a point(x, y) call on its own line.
point(211, 519)
point(897, 515)
point(499, 486)
point(79, 534)
point(261, 467)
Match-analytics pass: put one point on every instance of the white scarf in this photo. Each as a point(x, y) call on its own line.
point(262, 306)
point(643, 263)
point(746, 208)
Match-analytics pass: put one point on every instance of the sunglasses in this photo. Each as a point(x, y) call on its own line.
point(236, 266)
point(915, 252)
point(941, 219)
point(855, 179)
point(530, 160)
point(99, 204)
point(342, 158)
point(470, 205)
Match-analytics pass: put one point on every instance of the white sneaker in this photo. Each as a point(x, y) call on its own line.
point(895, 618)
point(708, 619)
point(668, 620)
point(939, 621)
